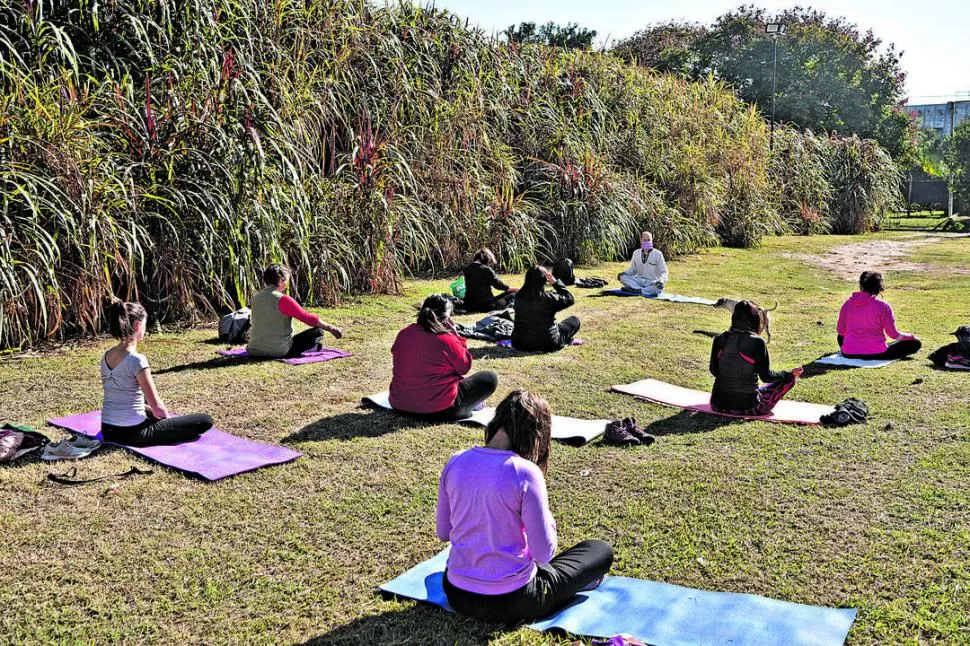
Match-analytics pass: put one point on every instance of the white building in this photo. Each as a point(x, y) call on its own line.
point(942, 117)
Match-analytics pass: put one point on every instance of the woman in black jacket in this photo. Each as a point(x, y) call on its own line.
point(535, 327)
point(738, 358)
point(480, 278)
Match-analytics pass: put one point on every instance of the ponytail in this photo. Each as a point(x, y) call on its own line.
point(122, 317)
point(434, 312)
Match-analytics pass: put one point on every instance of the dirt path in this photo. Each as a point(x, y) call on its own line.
point(881, 255)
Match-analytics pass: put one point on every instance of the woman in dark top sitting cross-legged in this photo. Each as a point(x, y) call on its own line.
point(535, 328)
point(480, 278)
point(738, 357)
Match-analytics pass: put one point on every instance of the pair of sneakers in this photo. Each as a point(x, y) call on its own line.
point(625, 432)
point(957, 362)
point(73, 448)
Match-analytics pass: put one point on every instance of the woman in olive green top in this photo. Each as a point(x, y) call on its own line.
point(271, 331)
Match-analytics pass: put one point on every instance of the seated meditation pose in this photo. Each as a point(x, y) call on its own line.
point(865, 321)
point(430, 361)
point(738, 358)
point(535, 328)
point(493, 507)
point(271, 330)
point(647, 273)
point(128, 383)
point(480, 278)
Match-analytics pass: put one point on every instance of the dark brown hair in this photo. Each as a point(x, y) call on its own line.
point(276, 273)
point(484, 256)
point(122, 317)
point(527, 420)
point(748, 317)
point(435, 310)
point(871, 282)
point(534, 283)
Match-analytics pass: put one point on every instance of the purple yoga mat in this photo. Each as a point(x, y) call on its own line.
point(213, 456)
point(311, 356)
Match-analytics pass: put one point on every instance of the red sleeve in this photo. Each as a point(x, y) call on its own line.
point(289, 307)
point(460, 357)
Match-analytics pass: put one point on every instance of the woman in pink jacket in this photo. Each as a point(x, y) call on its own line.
point(865, 321)
point(493, 507)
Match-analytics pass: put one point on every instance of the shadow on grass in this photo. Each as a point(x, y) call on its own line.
point(360, 423)
point(687, 421)
point(493, 352)
point(218, 361)
point(420, 624)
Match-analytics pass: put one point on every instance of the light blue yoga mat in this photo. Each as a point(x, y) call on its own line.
point(663, 296)
point(663, 614)
point(838, 360)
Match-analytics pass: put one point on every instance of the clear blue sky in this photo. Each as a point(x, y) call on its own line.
point(934, 35)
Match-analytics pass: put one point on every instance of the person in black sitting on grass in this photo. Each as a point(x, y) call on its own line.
point(738, 357)
point(535, 328)
point(480, 278)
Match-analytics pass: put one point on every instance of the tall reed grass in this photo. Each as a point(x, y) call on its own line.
point(165, 150)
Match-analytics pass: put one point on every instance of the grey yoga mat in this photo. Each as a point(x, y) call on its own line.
point(565, 429)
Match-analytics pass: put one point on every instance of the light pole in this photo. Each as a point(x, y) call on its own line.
point(773, 29)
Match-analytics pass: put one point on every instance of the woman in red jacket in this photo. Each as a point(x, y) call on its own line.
point(430, 361)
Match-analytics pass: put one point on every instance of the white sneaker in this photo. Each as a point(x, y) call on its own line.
point(73, 448)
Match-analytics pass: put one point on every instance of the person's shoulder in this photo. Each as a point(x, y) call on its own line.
point(526, 470)
point(138, 359)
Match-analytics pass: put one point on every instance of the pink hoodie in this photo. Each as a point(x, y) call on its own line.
point(865, 322)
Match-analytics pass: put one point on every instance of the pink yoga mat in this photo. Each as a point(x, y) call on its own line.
point(663, 393)
point(311, 356)
point(213, 456)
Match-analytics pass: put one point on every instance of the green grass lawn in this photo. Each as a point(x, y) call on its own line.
point(875, 516)
point(923, 221)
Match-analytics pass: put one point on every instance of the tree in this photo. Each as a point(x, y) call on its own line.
point(830, 76)
point(668, 47)
point(958, 162)
point(572, 36)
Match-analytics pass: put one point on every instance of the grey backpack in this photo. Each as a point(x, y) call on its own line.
point(233, 327)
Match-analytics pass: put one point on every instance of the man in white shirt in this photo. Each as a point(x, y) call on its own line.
point(647, 273)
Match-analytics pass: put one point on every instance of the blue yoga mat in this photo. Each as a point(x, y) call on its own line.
point(663, 296)
point(663, 614)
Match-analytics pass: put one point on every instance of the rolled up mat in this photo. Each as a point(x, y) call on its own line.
point(663, 614)
point(212, 456)
point(568, 430)
point(660, 392)
point(310, 356)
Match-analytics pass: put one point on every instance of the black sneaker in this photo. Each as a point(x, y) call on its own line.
point(617, 435)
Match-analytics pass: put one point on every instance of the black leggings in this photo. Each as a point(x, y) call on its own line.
point(305, 340)
point(553, 586)
point(895, 350)
point(152, 432)
point(472, 391)
point(559, 337)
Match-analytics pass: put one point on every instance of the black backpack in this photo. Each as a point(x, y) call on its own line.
point(563, 270)
point(850, 411)
point(234, 327)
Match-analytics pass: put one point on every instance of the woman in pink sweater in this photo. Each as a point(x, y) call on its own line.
point(865, 321)
point(492, 506)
